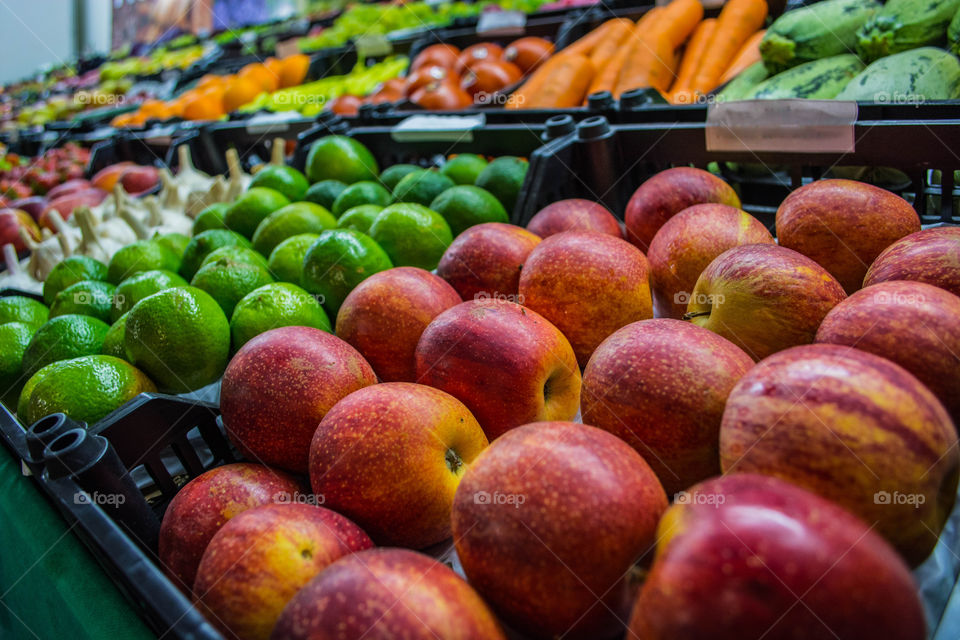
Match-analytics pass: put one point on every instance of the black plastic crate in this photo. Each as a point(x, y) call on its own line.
point(156, 146)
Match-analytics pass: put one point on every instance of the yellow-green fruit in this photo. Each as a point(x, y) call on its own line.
point(227, 281)
point(143, 255)
point(113, 341)
point(291, 220)
point(14, 338)
point(87, 297)
point(71, 270)
point(211, 218)
point(63, 338)
point(22, 309)
point(205, 243)
point(286, 260)
point(136, 288)
point(280, 304)
point(464, 168)
point(412, 235)
point(250, 209)
point(245, 255)
point(340, 158)
point(176, 242)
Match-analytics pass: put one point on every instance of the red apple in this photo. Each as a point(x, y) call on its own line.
point(279, 386)
point(565, 506)
point(661, 386)
point(843, 225)
point(208, 501)
point(854, 428)
point(485, 260)
point(931, 256)
point(70, 186)
point(11, 221)
point(588, 285)
point(508, 364)
point(687, 243)
point(107, 177)
point(913, 324)
point(382, 594)
point(574, 215)
point(764, 298)
point(34, 205)
point(259, 560)
point(390, 456)
point(385, 314)
point(65, 205)
point(668, 193)
point(750, 556)
point(137, 180)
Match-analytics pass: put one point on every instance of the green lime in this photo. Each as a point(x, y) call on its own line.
point(136, 288)
point(249, 210)
point(113, 341)
point(85, 388)
point(466, 205)
point(292, 220)
point(287, 180)
point(70, 270)
point(203, 244)
point(23, 309)
point(62, 338)
point(464, 168)
point(280, 304)
point(176, 242)
point(286, 260)
point(14, 338)
point(324, 193)
point(503, 178)
point(87, 298)
point(421, 187)
point(392, 175)
point(339, 260)
point(359, 193)
point(143, 255)
point(236, 254)
point(228, 280)
point(211, 218)
point(179, 337)
point(359, 218)
point(412, 235)
point(340, 158)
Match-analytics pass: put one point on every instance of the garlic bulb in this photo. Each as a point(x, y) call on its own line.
point(98, 248)
point(17, 276)
point(239, 181)
point(44, 255)
point(163, 221)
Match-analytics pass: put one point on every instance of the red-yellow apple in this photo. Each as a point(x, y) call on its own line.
point(390, 457)
point(279, 386)
point(385, 314)
point(843, 225)
point(588, 285)
point(764, 298)
point(931, 256)
point(687, 243)
point(667, 193)
point(11, 221)
point(508, 364)
point(661, 386)
point(746, 556)
point(259, 560)
point(384, 594)
point(854, 428)
point(485, 260)
point(575, 214)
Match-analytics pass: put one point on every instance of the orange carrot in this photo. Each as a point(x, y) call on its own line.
point(648, 20)
point(565, 85)
point(647, 64)
point(585, 45)
point(748, 54)
point(605, 78)
point(739, 19)
point(679, 19)
point(693, 54)
point(617, 33)
point(522, 97)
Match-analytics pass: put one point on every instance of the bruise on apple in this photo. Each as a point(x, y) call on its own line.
point(931, 256)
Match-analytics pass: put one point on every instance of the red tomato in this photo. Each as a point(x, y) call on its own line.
point(528, 53)
point(441, 96)
point(424, 76)
point(345, 105)
point(477, 53)
point(441, 55)
point(489, 77)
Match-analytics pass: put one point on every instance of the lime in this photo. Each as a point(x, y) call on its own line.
point(23, 309)
point(412, 235)
point(392, 175)
point(359, 218)
point(87, 297)
point(179, 337)
point(14, 338)
point(324, 193)
point(339, 260)
point(211, 218)
point(113, 341)
point(421, 187)
point(236, 254)
point(340, 158)
point(503, 178)
point(228, 280)
point(359, 193)
point(136, 288)
point(70, 270)
point(249, 210)
point(280, 304)
point(286, 260)
point(62, 338)
point(287, 180)
point(464, 168)
point(204, 244)
point(292, 220)
point(143, 255)
point(176, 242)
point(465, 205)
point(86, 388)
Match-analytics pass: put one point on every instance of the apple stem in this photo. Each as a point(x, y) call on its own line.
point(454, 462)
point(690, 315)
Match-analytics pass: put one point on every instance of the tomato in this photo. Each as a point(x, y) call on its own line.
point(386, 94)
point(528, 53)
point(477, 53)
point(441, 96)
point(488, 77)
point(424, 76)
point(441, 55)
point(345, 105)
point(394, 85)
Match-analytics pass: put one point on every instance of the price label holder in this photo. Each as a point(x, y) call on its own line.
point(437, 128)
point(278, 122)
point(160, 136)
point(782, 126)
point(501, 23)
point(372, 45)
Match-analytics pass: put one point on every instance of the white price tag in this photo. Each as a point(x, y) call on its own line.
point(437, 128)
point(501, 23)
point(784, 126)
point(271, 122)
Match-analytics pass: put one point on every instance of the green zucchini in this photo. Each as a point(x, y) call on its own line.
point(902, 25)
point(743, 82)
point(820, 79)
point(813, 32)
point(909, 77)
point(953, 34)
